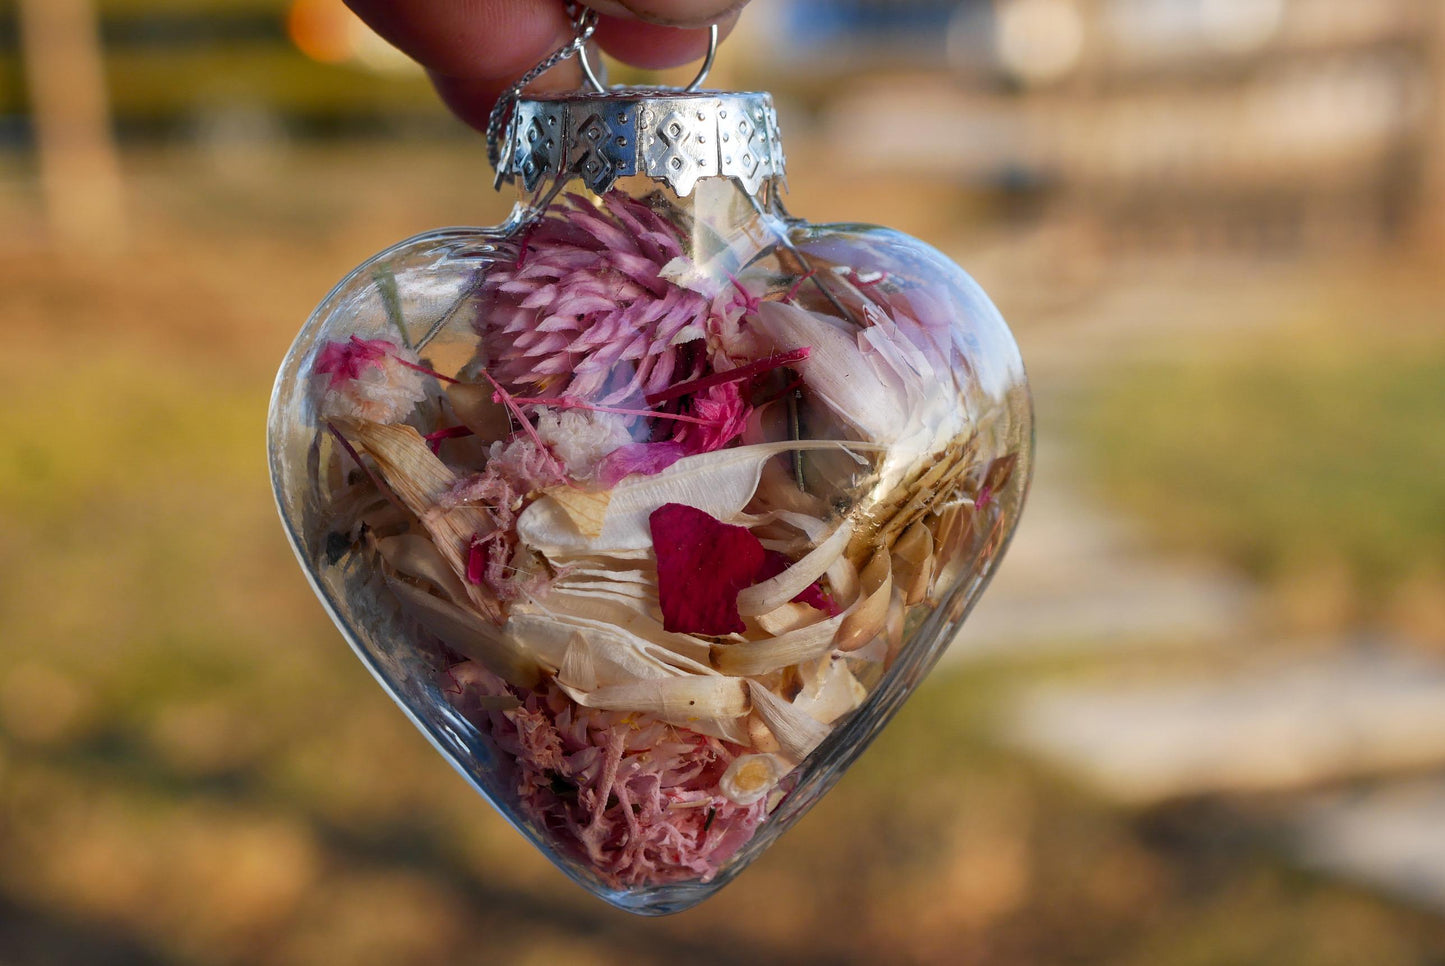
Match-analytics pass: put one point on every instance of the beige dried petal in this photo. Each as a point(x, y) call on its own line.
point(893, 628)
point(829, 690)
point(794, 647)
point(623, 613)
point(913, 562)
point(420, 479)
point(865, 619)
point(843, 581)
point(759, 737)
point(587, 509)
point(790, 617)
point(413, 555)
point(797, 732)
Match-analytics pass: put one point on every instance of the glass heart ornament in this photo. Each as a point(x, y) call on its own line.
point(651, 506)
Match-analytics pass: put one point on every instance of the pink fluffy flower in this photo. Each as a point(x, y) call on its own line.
point(584, 312)
point(726, 416)
point(514, 471)
point(644, 459)
point(371, 380)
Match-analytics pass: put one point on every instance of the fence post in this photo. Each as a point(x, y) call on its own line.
point(79, 168)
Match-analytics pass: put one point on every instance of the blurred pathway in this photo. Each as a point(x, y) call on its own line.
point(1078, 579)
point(1269, 716)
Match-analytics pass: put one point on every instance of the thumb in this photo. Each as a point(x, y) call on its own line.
point(671, 13)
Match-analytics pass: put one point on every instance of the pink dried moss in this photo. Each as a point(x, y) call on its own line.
point(637, 799)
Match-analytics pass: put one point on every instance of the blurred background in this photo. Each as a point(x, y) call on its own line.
point(1200, 717)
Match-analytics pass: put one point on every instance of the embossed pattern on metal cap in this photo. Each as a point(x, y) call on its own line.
point(672, 136)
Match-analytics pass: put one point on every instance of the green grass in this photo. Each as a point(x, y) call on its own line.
point(1280, 463)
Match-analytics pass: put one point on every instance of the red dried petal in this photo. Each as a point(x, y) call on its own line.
point(476, 560)
point(813, 595)
point(702, 564)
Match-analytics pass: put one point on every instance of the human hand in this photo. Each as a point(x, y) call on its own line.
point(474, 50)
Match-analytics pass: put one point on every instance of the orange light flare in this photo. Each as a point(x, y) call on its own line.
point(322, 30)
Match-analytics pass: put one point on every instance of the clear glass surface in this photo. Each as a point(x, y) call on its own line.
point(650, 511)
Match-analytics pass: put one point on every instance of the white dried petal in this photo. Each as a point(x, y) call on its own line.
point(680, 700)
point(777, 591)
point(829, 690)
point(580, 438)
point(384, 392)
point(719, 483)
point(798, 733)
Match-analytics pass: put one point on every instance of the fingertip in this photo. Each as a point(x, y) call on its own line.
point(468, 98)
point(472, 99)
point(672, 13)
point(490, 39)
point(653, 46)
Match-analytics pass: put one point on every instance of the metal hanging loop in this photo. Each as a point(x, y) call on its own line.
point(584, 22)
point(707, 61)
point(599, 87)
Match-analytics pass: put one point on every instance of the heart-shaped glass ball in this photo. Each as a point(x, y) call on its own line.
point(651, 506)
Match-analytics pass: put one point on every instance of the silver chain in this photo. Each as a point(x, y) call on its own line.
point(584, 21)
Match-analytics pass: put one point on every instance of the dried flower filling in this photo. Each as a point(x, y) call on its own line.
point(666, 528)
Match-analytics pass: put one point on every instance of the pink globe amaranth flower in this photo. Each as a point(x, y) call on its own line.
point(585, 313)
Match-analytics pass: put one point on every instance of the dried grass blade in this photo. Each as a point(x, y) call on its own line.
point(468, 635)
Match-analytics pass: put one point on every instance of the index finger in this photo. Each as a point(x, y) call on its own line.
point(475, 49)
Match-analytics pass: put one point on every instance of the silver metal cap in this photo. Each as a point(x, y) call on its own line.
point(670, 135)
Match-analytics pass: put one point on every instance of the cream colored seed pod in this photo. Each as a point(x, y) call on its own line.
point(750, 777)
